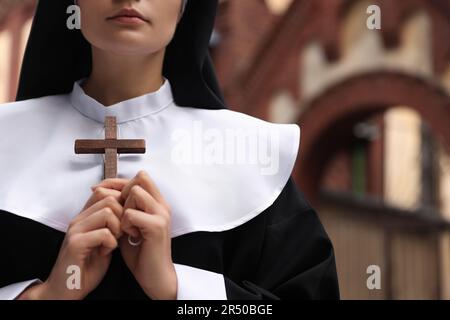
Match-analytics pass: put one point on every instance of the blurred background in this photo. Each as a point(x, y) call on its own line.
point(374, 108)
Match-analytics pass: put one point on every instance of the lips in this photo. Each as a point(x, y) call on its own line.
point(128, 15)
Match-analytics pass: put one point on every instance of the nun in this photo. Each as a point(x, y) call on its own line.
point(205, 208)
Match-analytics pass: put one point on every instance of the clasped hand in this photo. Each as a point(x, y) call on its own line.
point(117, 209)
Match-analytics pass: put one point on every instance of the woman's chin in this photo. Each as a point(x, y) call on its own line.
point(131, 47)
point(130, 51)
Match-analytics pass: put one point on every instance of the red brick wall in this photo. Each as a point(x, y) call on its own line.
point(242, 25)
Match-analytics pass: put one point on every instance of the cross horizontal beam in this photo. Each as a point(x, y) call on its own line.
point(99, 146)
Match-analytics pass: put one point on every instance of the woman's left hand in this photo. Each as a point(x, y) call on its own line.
point(146, 218)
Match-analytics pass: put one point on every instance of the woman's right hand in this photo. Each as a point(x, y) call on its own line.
point(88, 245)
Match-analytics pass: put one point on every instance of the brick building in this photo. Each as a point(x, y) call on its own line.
point(373, 106)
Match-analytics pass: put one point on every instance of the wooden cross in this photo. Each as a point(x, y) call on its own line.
point(110, 147)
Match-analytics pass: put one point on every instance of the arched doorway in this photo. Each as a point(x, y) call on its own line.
point(405, 245)
point(328, 119)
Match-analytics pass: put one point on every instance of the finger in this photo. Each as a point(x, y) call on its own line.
point(129, 223)
point(148, 225)
point(114, 183)
point(108, 202)
point(99, 238)
point(130, 204)
point(143, 201)
point(105, 218)
point(101, 193)
point(143, 179)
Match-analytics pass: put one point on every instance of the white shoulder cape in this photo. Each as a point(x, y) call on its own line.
point(216, 168)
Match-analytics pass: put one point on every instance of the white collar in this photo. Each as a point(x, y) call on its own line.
point(124, 111)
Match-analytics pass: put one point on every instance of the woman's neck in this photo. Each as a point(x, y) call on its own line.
point(116, 78)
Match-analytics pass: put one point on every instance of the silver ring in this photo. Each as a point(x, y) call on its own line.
point(132, 243)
